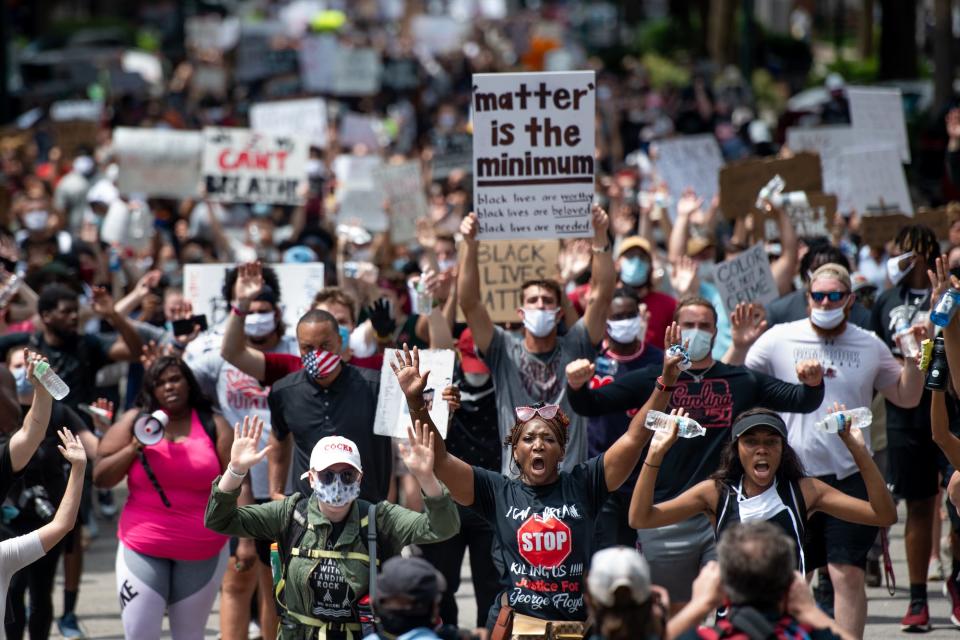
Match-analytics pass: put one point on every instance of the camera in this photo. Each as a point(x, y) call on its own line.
point(35, 501)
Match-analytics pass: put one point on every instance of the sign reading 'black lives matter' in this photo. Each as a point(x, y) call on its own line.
point(533, 146)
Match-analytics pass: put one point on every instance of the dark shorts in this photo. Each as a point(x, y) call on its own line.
point(913, 473)
point(834, 541)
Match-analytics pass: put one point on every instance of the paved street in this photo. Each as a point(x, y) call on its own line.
point(99, 611)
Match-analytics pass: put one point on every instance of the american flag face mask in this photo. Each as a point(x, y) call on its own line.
point(320, 364)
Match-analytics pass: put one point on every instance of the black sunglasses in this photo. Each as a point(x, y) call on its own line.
point(347, 476)
point(832, 296)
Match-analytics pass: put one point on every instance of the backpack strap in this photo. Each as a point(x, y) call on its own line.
point(753, 623)
point(295, 530)
point(372, 549)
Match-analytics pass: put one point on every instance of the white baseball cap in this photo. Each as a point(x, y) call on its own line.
point(616, 567)
point(334, 450)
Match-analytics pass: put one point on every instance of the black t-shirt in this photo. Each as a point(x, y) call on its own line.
point(544, 536)
point(333, 597)
point(7, 474)
point(725, 392)
point(474, 435)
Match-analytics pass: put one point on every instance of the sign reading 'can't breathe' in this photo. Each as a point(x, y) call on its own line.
point(240, 165)
point(533, 154)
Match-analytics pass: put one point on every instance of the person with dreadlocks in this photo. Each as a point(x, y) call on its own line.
point(544, 519)
point(914, 463)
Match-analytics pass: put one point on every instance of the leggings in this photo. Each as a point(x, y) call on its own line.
point(148, 586)
point(38, 579)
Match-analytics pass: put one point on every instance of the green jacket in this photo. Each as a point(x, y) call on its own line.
point(396, 528)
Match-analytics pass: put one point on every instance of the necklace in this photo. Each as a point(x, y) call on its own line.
point(698, 377)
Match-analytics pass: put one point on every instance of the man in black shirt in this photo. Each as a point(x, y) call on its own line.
point(713, 394)
point(17, 450)
point(325, 398)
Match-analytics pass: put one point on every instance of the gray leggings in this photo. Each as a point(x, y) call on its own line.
point(148, 586)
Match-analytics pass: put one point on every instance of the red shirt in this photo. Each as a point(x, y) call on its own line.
point(661, 308)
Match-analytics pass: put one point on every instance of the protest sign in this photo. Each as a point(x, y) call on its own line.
point(690, 161)
point(360, 198)
point(505, 264)
point(158, 162)
point(64, 110)
point(533, 154)
point(740, 182)
point(876, 231)
point(877, 116)
point(746, 278)
point(71, 135)
point(403, 186)
point(356, 72)
point(438, 34)
point(811, 214)
point(830, 141)
point(212, 32)
point(208, 79)
point(240, 165)
point(307, 118)
point(401, 74)
point(451, 152)
point(316, 68)
point(357, 128)
point(299, 283)
point(261, 53)
point(875, 181)
point(392, 416)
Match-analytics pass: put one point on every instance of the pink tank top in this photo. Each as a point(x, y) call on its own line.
point(184, 470)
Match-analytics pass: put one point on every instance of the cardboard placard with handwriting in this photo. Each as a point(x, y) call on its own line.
point(875, 231)
point(505, 264)
point(746, 278)
point(69, 135)
point(812, 216)
point(740, 182)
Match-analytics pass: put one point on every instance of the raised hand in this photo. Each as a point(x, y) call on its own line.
point(810, 372)
point(71, 449)
point(470, 227)
point(407, 369)
point(941, 279)
point(151, 351)
point(184, 311)
point(663, 440)
point(246, 439)
point(33, 359)
point(101, 423)
point(579, 372)
point(688, 203)
point(148, 281)
point(601, 224)
point(249, 281)
point(417, 451)
point(747, 323)
point(623, 222)
point(382, 318)
point(683, 276)
point(671, 363)
point(102, 302)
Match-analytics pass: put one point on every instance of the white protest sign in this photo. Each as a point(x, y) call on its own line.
point(64, 110)
point(207, 78)
point(533, 154)
point(356, 72)
point(299, 284)
point(877, 116)
point(356, 128)
point(158, 162)
point(316, 69)
point(403, 186)
point(746, 278)
point(875, 181)
point(212, 32)
point(392, 416)
point(438, 34)
point(240, 165)
point(359, 197)
point(307, 117)
point(690, 161)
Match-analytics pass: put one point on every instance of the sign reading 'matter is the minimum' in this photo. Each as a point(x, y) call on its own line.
point(533, 154)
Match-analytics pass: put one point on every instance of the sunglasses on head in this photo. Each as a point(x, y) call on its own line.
point(347, 476)
point(547, 412)
point(832, 296)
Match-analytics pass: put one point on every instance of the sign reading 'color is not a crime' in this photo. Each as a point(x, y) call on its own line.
point(533, 154)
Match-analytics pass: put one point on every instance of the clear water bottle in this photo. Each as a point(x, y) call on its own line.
point(908, 342)
point(606, 366)
point(945, 308)
point(679, 350)
point(9, 290)
point(842, 420)
point(687, 427)
point(51, 381)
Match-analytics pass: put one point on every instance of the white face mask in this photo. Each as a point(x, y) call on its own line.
point(476, 379)
point(894, 272)
point(336, 494)
point(827, 318)
point(540, 322)
point(700, 343)
point(258, 325)
point(36, 220)
point(624, 331)
point(446, 265)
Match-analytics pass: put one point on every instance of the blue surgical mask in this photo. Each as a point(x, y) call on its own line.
point(344, 338)
point(24, 386)
point(700, 343)
point(634, 271)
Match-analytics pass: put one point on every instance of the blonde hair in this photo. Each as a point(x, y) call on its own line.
point(833, 271)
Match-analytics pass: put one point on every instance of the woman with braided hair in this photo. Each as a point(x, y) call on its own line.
point(543, 520)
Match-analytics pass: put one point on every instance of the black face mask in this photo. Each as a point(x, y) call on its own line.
point(397, 623)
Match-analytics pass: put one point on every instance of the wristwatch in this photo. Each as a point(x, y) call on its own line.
point(603, 249)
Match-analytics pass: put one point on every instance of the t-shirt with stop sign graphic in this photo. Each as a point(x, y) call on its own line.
point(544, 536)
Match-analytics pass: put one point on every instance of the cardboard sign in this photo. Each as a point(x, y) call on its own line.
point(815, 217)
point(240, 165)
point(158, 162)
point(360, 198)
point(64, 110)
point(877, 116)
point(875, 181)
point(451, 152)
point(70, 135)
point(299, 284)
point(505, 264)
point(740, 182)
point(393, 418)
point(876, 231)
point(306, 118)
point(746, 278)
point(533, 154)
point(403, 187)
point(690, 161)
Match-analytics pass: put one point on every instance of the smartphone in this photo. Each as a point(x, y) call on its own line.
point(184, 327)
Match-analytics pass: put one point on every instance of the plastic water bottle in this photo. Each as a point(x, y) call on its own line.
point(275, 567)
point(842, 420)
point(679, 350)
point(606, 366)
point(945, 308)
point(687, 427)
point(9, 290)
point(51, 381)
point(908, 342)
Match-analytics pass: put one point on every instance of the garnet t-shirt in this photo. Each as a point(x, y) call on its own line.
point(544, 536)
